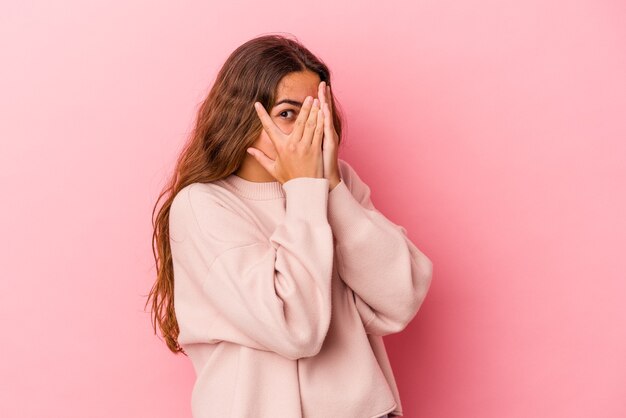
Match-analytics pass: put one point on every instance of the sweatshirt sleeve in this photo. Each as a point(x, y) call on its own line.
point(270, 294)
point(387, 273)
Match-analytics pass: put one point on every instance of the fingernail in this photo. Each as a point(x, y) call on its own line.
point(308, 99)
point(316, 102)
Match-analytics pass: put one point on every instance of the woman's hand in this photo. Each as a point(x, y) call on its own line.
point(331, 139)
point(299, 154)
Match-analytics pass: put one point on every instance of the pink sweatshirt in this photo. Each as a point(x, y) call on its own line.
point(283, 294)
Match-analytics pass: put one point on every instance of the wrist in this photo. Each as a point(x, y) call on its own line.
point(334, 181)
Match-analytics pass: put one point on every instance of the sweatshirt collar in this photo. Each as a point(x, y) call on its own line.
point(254, 190)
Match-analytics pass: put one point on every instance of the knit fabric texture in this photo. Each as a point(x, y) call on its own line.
point(283, 294)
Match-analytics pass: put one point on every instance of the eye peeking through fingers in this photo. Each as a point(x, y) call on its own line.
point(283, 113)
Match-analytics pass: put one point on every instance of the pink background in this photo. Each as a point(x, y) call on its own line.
point(494, 131)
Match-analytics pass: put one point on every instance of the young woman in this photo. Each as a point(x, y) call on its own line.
point(276, 275)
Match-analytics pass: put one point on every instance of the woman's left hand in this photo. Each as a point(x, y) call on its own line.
point(330, 144)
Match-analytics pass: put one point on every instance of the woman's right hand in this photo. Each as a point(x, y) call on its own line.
point(298, 154)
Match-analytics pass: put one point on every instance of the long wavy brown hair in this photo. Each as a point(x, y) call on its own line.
point(226, 125)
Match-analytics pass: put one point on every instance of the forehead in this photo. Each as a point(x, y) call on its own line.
point(298, 85)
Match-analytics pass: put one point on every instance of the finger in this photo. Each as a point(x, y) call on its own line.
point(311, 122)
point(298, 129)
point(263, 159)
point(329, 98)
point(321, 93)
point(328, 121)
point(270, 127)
point(318, 135)
point(329, 109)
